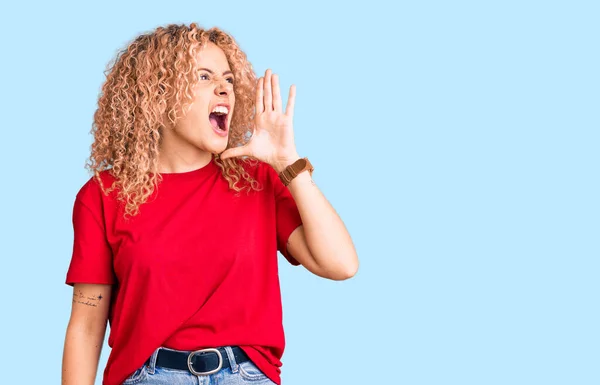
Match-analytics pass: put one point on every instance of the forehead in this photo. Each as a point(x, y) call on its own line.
point(213, 57)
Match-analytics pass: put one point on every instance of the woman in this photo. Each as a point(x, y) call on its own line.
point(197, 183)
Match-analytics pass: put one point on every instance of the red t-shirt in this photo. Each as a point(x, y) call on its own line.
point(196, 268)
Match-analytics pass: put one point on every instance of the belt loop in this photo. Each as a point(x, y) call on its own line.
point(231, 357)
point(152, 361)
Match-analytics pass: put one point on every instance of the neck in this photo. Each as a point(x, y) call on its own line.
point(176, 155)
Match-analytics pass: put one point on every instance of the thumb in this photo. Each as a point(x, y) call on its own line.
point(235, 152)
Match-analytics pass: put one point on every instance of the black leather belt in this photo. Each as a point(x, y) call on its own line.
point(199, 362)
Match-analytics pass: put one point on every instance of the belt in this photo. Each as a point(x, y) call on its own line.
point(199, 362)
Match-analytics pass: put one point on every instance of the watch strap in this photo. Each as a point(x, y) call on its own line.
point(292, 171)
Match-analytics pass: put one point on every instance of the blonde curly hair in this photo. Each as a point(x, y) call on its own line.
point(149, 80)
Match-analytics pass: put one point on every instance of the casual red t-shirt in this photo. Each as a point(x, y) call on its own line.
point(196, 268)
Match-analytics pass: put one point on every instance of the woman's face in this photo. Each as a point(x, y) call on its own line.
point(203, 127)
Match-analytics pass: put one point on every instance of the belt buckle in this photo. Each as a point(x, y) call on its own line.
point(189, 361)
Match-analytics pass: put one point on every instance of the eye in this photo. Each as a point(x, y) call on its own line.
point(230, 80)
point(203, 75)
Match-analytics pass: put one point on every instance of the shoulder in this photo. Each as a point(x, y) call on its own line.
point(91, 194)
point(261, 171)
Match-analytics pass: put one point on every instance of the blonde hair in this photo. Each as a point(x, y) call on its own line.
point(151, 79)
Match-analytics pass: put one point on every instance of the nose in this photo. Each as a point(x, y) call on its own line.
point(223, 88)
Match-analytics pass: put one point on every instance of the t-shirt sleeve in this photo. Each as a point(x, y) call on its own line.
point(91, 261)
point(287, 215)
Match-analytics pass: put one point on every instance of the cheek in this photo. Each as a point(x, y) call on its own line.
point(198, 114)
point(194, 126)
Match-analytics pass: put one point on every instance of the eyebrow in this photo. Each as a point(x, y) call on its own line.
point(209, 71)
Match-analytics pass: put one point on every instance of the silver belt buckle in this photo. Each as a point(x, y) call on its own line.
point(189, 361)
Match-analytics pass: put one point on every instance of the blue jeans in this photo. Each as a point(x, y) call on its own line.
point(238, 374)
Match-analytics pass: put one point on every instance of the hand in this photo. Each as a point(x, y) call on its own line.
point(273, 138)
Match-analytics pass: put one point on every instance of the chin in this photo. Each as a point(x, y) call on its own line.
point(217, 147)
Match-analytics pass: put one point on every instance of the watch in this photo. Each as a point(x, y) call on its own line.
point(291, 171)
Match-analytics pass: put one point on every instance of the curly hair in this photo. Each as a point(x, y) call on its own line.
point(149, 80)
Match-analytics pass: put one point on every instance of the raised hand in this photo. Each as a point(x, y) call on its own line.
point(273, 138)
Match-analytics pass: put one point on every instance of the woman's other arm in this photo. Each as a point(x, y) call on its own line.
point(85, 333)
point(322, 244)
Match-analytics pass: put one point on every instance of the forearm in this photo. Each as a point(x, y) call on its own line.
point(81, 355)
point(326, 235)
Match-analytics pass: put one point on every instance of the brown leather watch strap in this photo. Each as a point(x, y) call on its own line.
point(292, 171)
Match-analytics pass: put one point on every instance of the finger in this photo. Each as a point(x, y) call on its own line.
point(260, 106)
point(268, 99)
point(276, 94)
point(235, 152)
point(289, 109)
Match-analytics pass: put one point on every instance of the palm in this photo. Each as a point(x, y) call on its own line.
point(273, 136)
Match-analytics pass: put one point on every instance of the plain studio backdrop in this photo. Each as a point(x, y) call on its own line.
point(457, 140)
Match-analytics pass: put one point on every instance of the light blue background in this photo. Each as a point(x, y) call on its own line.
point(457, 140)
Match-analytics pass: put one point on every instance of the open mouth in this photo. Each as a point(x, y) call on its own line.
point(218, 120)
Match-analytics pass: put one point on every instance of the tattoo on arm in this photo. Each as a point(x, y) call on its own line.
point(86, 300)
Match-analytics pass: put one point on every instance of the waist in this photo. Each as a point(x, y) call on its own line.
point(198, 362)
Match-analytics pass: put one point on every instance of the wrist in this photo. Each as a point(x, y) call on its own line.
point(280, 164)
point(295, 169)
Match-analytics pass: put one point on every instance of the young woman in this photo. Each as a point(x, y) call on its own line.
point(197, 184)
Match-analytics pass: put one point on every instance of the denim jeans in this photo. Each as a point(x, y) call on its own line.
point(238, 374)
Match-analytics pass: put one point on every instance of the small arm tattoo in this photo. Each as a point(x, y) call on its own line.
point(94, 301)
